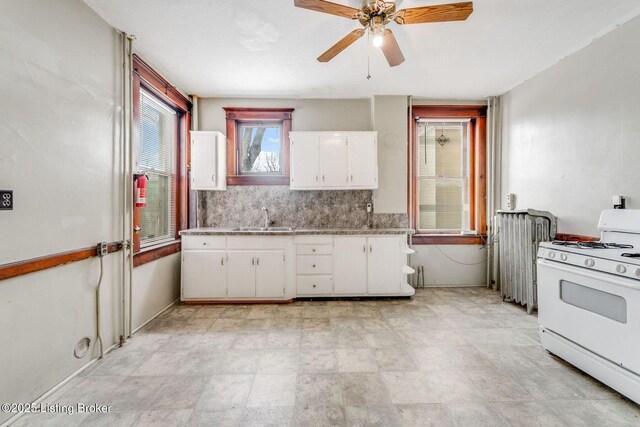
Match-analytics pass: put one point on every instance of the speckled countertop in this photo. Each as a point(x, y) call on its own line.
point(294, 232)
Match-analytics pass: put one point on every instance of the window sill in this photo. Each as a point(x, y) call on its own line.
point(258, 180)
point(447, 239)
point(155, 252)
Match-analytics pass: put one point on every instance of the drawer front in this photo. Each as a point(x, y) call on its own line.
point(314, 264)
point(203, 242)
point(314, 285)
point(314, 249)
point(257, 242)
point(313, 240)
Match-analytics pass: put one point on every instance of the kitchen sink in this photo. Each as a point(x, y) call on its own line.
point(265, 229)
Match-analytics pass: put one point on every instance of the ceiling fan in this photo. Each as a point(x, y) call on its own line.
point(374, 15)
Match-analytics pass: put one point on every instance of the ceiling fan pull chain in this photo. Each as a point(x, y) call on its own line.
point(368, 55)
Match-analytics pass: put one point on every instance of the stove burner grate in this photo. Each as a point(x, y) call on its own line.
point(592, 245)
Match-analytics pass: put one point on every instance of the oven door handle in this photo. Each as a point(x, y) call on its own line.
point(609, 278)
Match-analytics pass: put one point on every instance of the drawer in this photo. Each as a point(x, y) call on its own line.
point(257, 242)
point(314, 249)
point(203, 242)
point(314, 264)
point(313, 240)
point(314, 285)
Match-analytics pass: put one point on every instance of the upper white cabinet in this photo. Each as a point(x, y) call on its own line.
point(305, 161)
point(334, 160)
point(208, 161)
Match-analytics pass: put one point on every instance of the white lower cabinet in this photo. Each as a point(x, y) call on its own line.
point(241, 274)
point(259, 268)
point(383, 253)
point(350, 265)
point(270, 274)
point(204, 274)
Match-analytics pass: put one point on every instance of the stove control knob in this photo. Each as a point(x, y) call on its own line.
point(637, 272)
point(551, 254)
point(621, 269)
point(589, 262)
point(563, 257)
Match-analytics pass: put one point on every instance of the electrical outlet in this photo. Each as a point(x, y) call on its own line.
point(369, 207)
point(6, 200)
point(511, 202)
point(102, 249)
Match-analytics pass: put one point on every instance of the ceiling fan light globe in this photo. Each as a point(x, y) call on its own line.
point(377, 40)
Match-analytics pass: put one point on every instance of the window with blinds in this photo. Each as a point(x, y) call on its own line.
point(443, 175)
point(157, 159)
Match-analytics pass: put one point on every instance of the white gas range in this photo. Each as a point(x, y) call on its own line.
point(589, 301)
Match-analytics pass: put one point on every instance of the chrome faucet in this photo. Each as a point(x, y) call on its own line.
point(266, 217)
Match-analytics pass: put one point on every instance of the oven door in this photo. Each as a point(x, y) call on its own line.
point(598, 311)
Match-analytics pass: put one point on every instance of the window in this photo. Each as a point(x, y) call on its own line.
point(443, 175)
point(258, 146)
point(447, 200)
point(157, 160)
point(161, 117)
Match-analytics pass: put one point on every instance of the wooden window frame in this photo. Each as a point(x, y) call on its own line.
point(145, 77)
point(478, 168)
point(236, 116)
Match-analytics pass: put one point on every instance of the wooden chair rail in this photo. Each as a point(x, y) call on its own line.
point(15, 269)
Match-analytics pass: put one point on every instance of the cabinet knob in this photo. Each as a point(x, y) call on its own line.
point(213, 178)
point(364, 248)
point(322, 178)
point(351, 177)
point(314, 286)
point(314, 266)
point(313, 250)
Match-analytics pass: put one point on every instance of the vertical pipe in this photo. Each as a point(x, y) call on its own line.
point(410, 169)
point(130, 40)
point(123, 138)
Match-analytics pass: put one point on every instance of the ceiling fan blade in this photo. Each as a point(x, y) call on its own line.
point(344, 43)
point(391, 49)
point(328, 7)
point(439, 13)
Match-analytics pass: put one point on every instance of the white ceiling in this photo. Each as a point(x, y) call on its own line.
point(268, 48)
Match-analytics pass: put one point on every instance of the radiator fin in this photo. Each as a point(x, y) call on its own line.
point(519, 235)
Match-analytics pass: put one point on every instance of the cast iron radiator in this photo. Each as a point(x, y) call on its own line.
point(519, 234)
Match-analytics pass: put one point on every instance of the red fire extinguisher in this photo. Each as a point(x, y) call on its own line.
point(141, 191)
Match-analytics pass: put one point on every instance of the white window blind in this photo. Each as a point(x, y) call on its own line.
point(443, 175)
point(157, 158)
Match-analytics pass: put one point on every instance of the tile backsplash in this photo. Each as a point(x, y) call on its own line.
point(240, 206)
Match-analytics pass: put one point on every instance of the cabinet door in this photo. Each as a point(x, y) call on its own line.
point(270, 274)
point(241, 269)
point(204, 153)
point(204, 274)
point(305, 160)
point(363, 160)
point(384, 267)
point(350, 265)
point(335, 164)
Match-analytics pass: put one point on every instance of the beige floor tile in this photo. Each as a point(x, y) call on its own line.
point(225, 392)
point(318, 389)
point(356, 360)
point(273, 390)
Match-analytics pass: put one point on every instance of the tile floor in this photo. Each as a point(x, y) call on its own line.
point(447, 357)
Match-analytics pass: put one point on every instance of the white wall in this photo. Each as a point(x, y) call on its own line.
point(390, 120)
point(309, 114)
point(59, 84)
point(571, 135)
point(155, 285)
point(451, 265)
